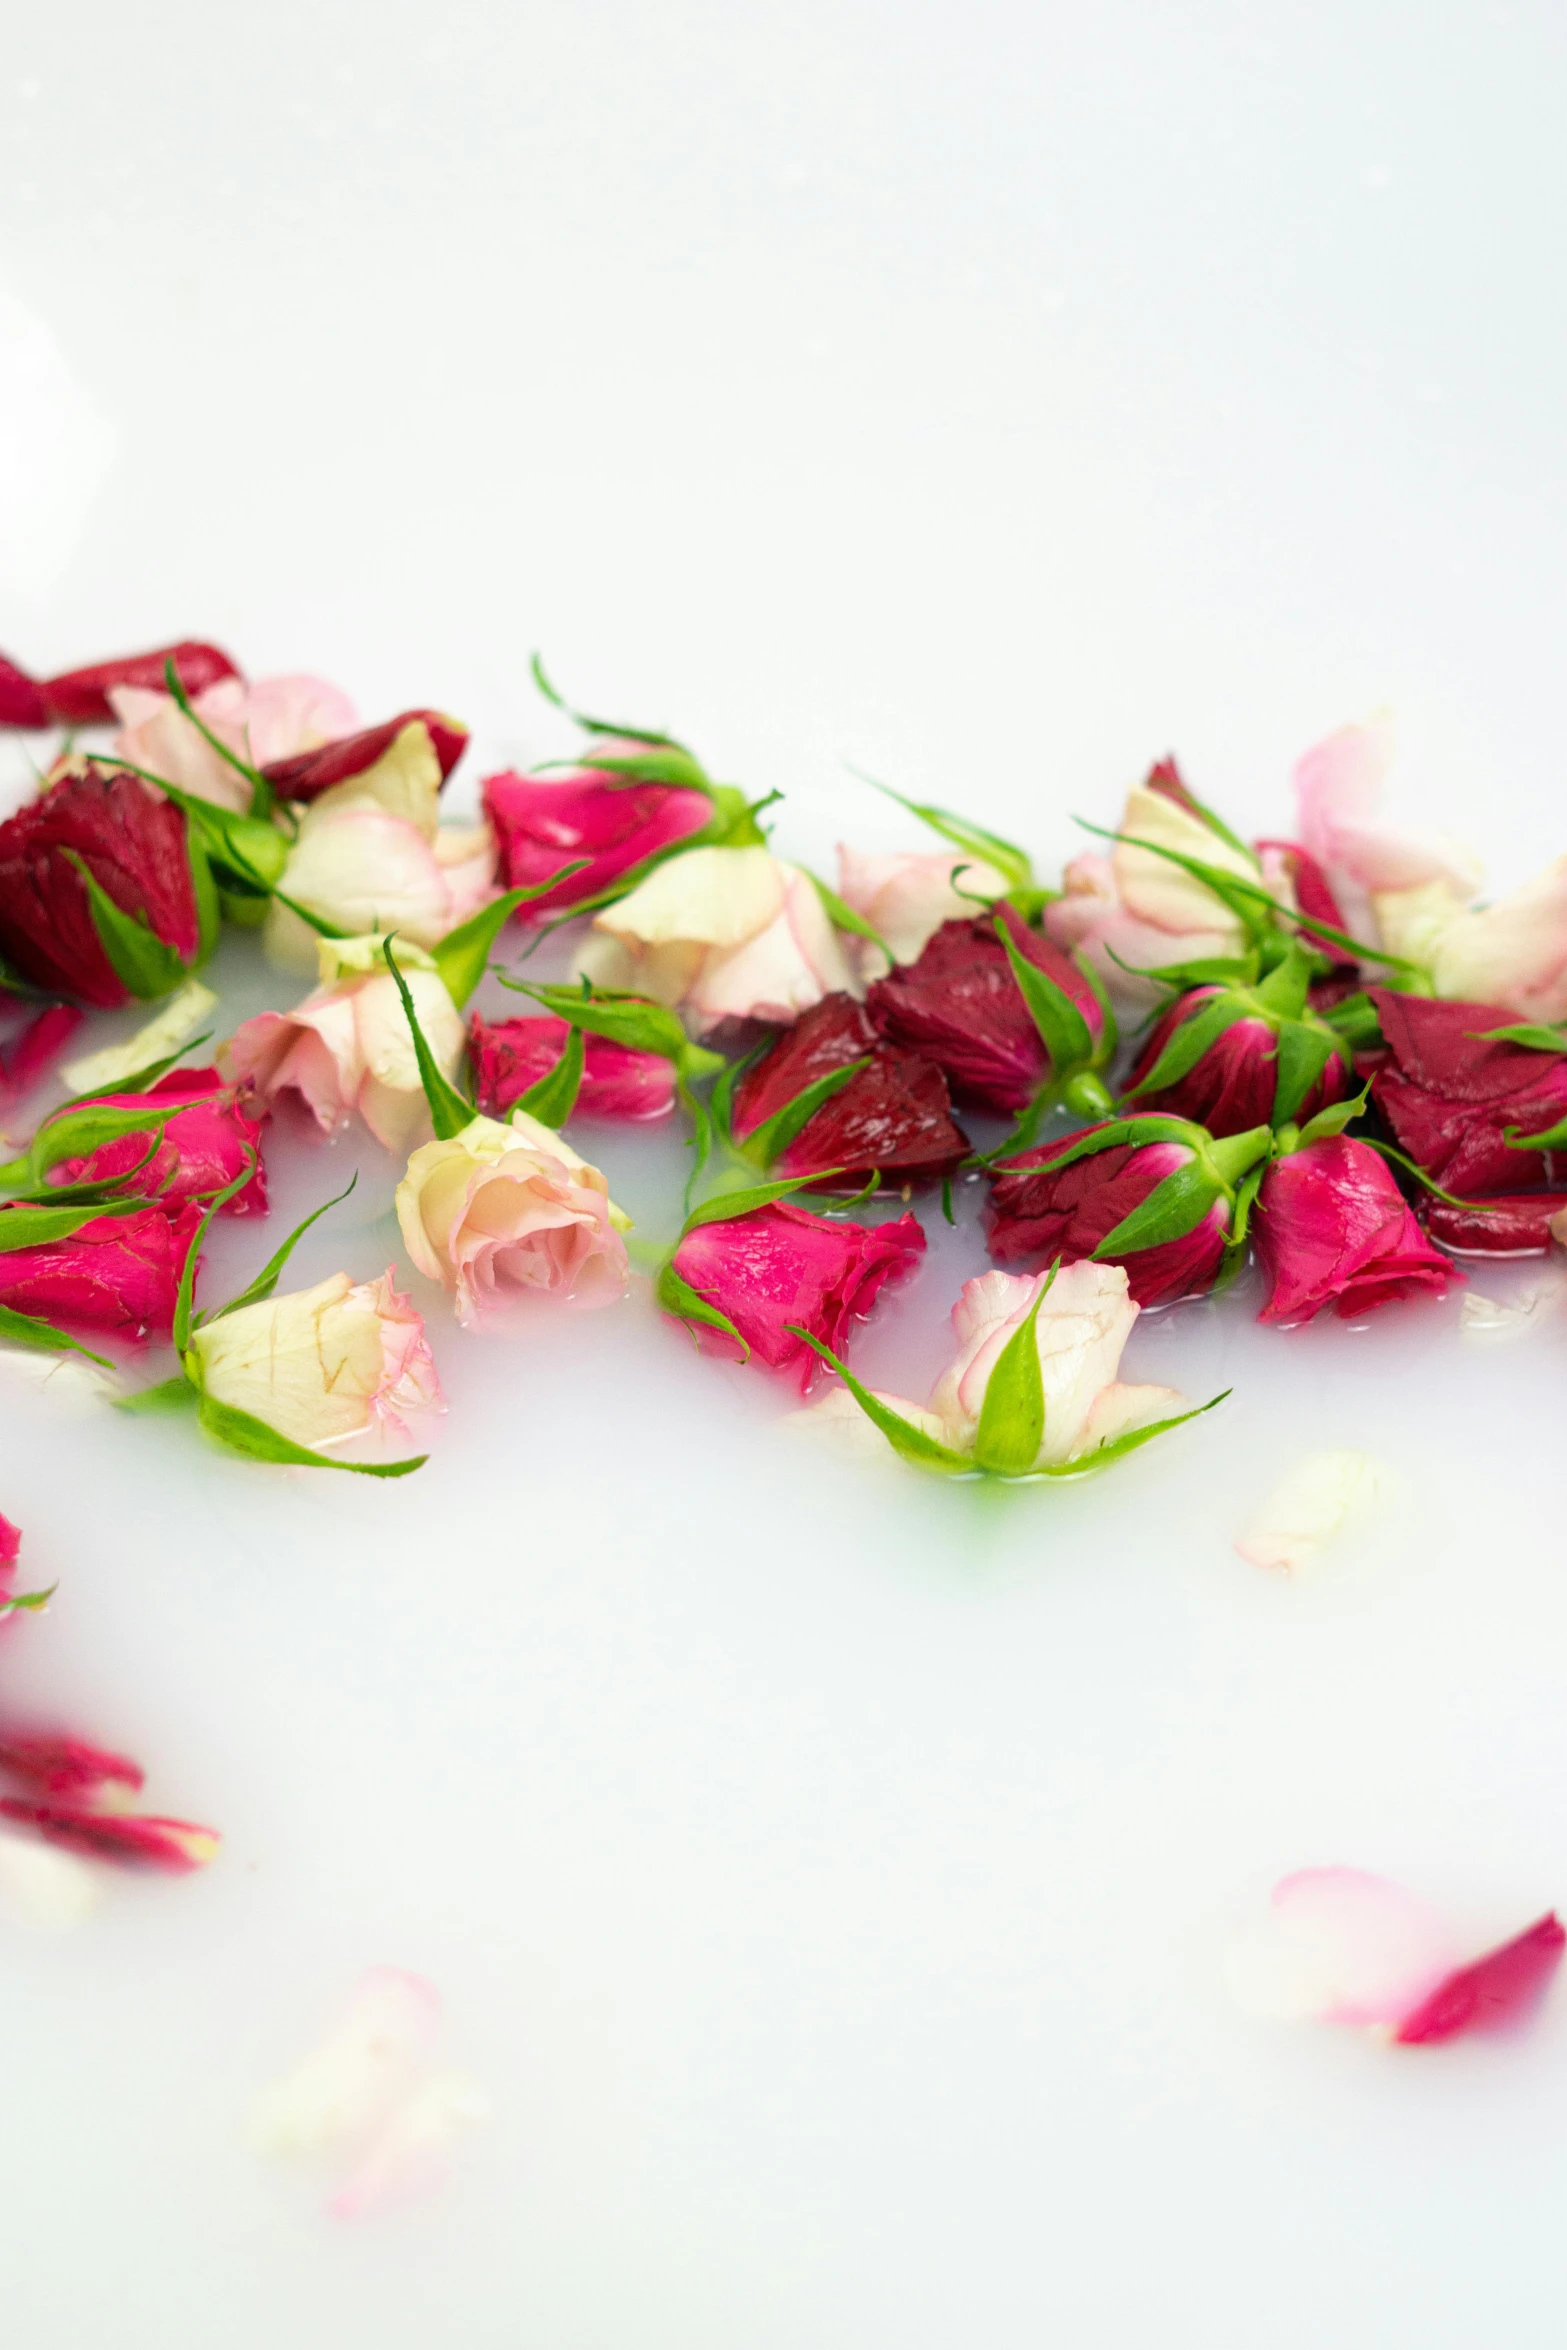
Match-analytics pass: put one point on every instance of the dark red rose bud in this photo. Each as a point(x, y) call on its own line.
point(894, 1114)
point(1504, 1987)
point(117, 1274)
point(80, 697)
point(199, 1152)
point(1333, 1229)
point(779, 1265)
point(541, 822)
point(133, 1839)
point(1451, 1098)
point(309, 773)
point(132, 842)
point(1045, 1203)
point(22, 702)
point(511, 1056)
point(1517, 1226)
point(961, 1007)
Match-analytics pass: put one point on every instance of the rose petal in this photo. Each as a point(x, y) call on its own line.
point(1343, 1947)
point(1504, 1987)
point(1308, 1507)
point(174, 1024)
point(346, 2083)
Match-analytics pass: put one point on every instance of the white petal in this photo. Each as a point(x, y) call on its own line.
point(1310, 1505)
point(1488, 1320)
point(179, 1020)
point(347, 2084)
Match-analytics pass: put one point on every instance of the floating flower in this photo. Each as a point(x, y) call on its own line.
point(1309, 1508)
point(511, 1056)
point(317, 1366)
point(196, 1152)
point(962, 1006)
point(94, 1269)
point(830, 1093)
point(273, 719)
point(410, 2148)
point(1333, 1229)
point(498, 1211)
point(1453, 1096)
point(82, 697)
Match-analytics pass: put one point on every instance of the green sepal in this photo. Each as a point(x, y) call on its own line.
point(843, 917)
point(271, 1272)
point(743, 1202)
point(1194, 1037)
point(1388, 1150)
point(243, 1433)
point(1064, 1032)
point(1552, 1138)
point(554, 1097)
point(261, 793)
point(25, 1225)
point(1240, 1215)
point(1175, 1206)
point(609, 726)
point(1012, 1416)
point(1354, 1021)
point(463, 955)
point(143, 964)
point(32, 1330)
point(1537, 1035)
point(1202, 971)
point(908, 1442)
point(77, 1133)
point(1304, 1049)
point(1286, 989)
point(625, 1019)
point(1141, 1126)
point(1231, 1155)
point(1330, 1121)
point(1103, 1456)
point(1013, 863)
point(27, 1602)
point(676, 1296)
point(170, 1395)
point(946, 1199)
point(450, 1111)
point(185, 1295)
point(767, 1142)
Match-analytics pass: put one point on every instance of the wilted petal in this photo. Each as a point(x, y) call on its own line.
point(1343, 1947)
point(1310, 1504)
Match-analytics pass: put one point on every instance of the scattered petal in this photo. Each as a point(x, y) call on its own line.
point(173, 1027)
point(348, 2083)
point(410, 2147)
point(1342, 1947)
point(1308, 1507)
point(1504, 1987)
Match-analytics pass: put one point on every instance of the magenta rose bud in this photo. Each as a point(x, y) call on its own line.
point(511, 1056)
point(780, 1264)
point(1450, 1097)
point(542, 822)
point(22, 702)
point(1517, 1226)
point(961, 1007)
point(115, 1274)
point(80, 697)
point(893, 1114)
point(307, 774)
point(1333, 1229)
point(199, 1151)
point(1231, 1062)
point(132, 842)
point(1071, 1201)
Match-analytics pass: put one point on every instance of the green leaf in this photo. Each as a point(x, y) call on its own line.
point(610, 726)
point(771, 1139)
point(676, 1296)
point(990, 848)
point(23, 1225)
point(32, 1330)
point(1535, 1034)
point(141, 961)
point(241, 1432)
point(1551, 1138)
point(1064, 1032)
point(1305, 1048)
point(463, 955)
point(554, 1097)
point(1187, 1043)
point(28, 1601)
point(1088, 1464)
point(450, 1111)
point(170, 1395)
point(271, 1272)
point(1174, 1207)
point(908, 1442)
point(1012, 1416)
point(185, 1295)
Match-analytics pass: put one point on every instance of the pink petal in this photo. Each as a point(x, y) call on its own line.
point(1343, 1947)
point(1504, 1987)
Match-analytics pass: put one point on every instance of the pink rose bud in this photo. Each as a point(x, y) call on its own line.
point(893, 1112)
point(81, 697)
point(70, 1767)
point(511, 1056)
point(1154, 1194)
point(961, 1007)
point(133, 844)
point(22, 701)
point(1518, 1226)
point(1236, 1057)
point(131, 1838)
point(779, 1264)
point(542, 821)
point(198, 1152)
point(307, 774)
point(1452, 1098)
point(1500, 1989)
point(116, 1274)
point(1333, 1229)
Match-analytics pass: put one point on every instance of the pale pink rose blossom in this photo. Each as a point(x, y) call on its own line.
point(321, 1365)
point(907, 897)
point(274, 718)
point(506, 1211)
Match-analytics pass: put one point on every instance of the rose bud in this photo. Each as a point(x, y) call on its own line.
point(1519, 1225)
point(82, 697)
point(543, 821)
point(743, 1274)
point(511, 1056)
point(499, 1212)
point(1237, 1057)
point(319, 1365)
point(102, 893)
point(723, 933)
point(962, 1006)
point(829, 1094)
point(116, 1273)
point(135, 1840)
point(346, 1049)
point(69, 1766)
point(1333, 1229)
point(195, 1153)
point(1453, 1094)
point(1158, 1195)
point(337, 757)
point(907, 898)
point(22, 701)
point(273, 719)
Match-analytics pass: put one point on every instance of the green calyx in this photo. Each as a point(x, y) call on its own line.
point(1178, 1202)
point(1303, 1043)
point(1077, 1057)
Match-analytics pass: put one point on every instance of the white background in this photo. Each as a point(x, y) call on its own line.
point(828, 1877)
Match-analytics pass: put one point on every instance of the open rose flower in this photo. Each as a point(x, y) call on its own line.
point(1340, 1946)
point(1333, 1229)
point(198, 1152)
point(961, 1007)
point(346, 1049)
point(320, 1365)
point(371, 854)
point(724, 934)
point(499, 1212)
point(82, 697)
point(1236, 1057)
point(542, 822)
point(909, 896)
point(1138, 911)
point(1157, 1195)
point(1451, 1098)
point(893, 1114)
point(116, 1274)
point(511, 1056)
point(272, 719)
point(89, 847)
point(778, 1265)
